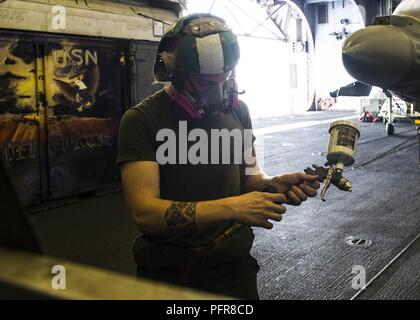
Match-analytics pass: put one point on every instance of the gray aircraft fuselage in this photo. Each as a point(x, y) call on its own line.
point(387, 55)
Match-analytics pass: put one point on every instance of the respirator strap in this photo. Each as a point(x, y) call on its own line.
point(186, 104)
point(198, 101)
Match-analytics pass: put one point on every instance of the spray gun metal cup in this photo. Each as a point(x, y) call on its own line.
point(344, 135)
point(342, 147)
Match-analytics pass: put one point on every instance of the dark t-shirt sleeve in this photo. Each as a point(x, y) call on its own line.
point(136, 138)
point(243, 113)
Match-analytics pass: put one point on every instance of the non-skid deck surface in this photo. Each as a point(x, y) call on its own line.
point(306, 255)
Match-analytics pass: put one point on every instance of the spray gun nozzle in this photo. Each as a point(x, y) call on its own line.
point(330, 176)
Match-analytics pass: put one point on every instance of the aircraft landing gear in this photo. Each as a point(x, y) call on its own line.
point(389, 129)
point(389, 126)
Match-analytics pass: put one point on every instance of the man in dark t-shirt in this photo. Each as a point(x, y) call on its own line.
point(184, 157)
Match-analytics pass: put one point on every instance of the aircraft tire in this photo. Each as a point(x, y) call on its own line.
point(390, 129)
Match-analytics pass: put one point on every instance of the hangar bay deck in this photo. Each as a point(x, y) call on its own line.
point(311, 253)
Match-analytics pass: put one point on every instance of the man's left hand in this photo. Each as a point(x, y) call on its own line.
point(296, 186)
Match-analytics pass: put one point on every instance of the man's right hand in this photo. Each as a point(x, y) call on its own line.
point(256, 208)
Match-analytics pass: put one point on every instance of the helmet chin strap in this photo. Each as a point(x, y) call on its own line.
point(202, 107)
point(210, 100)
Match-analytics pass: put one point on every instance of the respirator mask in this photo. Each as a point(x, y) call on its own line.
point(195, 105)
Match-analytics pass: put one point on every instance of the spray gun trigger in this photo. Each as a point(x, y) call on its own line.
point(319, 171)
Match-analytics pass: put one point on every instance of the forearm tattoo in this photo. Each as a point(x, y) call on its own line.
point(180, 217)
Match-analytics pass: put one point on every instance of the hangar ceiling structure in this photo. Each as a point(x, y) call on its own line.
point(312, 66)
point(324, 71)
point(276, 53)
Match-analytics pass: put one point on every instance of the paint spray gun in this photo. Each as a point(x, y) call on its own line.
point(344, 135)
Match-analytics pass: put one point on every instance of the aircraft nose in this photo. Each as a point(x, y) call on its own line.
point(378, 55)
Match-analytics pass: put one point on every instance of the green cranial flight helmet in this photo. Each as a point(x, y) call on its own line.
point(202, 43)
